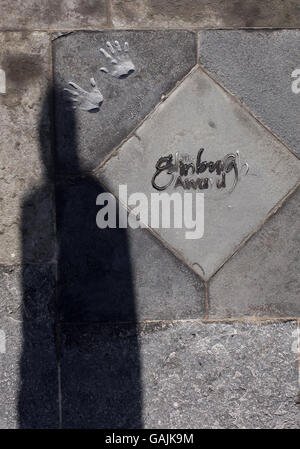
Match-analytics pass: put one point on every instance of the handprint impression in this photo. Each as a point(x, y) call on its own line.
point(122, 66)
point(87, 101)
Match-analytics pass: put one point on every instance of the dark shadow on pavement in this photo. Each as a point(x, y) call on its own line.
point(84, 335)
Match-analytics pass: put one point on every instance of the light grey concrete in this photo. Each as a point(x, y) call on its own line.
point(205, 13)
point(200, 114)
point(180, 375)
point(220, 376)
point(161, 58)
point(26, 222)
point(257, 67)
point(262, 279)
point(52, 14)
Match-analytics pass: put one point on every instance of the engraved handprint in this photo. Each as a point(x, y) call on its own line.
point(87, 101)
point(121, 64)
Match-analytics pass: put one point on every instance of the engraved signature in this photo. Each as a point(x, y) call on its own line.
point(187, 171)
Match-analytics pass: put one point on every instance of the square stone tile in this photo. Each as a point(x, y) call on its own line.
point(199, 114)
point(28, 368)
point(257, 67)
point(161, 58)
point(53, 14)
point(116, 274)
point(205, 13)
point(26, 206)
point(262, 279)
point(180, 375)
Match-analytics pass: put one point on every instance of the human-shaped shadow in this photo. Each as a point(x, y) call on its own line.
point(92, 321)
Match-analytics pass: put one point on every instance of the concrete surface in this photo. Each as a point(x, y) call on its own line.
point(26, 206)
point(199, 114)
point(205, 13)
point(123, 274)
point(161, 59)
point(52, 14)
point(263, 278)
point(180, 375)
point(61, 277)
point(28, 364)
point(257, 68)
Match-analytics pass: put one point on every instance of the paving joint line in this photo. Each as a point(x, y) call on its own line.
point(243, 106)
point(250, 320)
point(111, 27)
point(273, 211)
point(58, 340)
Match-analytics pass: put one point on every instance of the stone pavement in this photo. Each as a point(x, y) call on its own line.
point(143, 328)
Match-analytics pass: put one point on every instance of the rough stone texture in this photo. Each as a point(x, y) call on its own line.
point(206, 13)
point(28, 370)
point(101, 377)
point(194, 375)
point(200, 114)
point(154, 374)
point(27, 292)
point(28, 377)
point(52, 14)
point(161, 59)
point(262, 279)
point(26, 224)
point(116, 274)
point(257, 67)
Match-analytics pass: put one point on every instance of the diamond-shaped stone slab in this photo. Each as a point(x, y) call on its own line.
point(26, 206)
point(116, 274)
point(262, 279)
point(200, 114)
point(257, 67)
point(161, 58)
point(180, 375)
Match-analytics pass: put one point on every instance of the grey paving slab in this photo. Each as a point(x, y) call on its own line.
point(257, 67)
point(28, 369)
point(164, 287)
point(116, 274)
point(160, 58)
point(205, 13)
point(199, 114)
point(26, 223)
point(262, 279)
point(52, 14)
point(193, 375)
